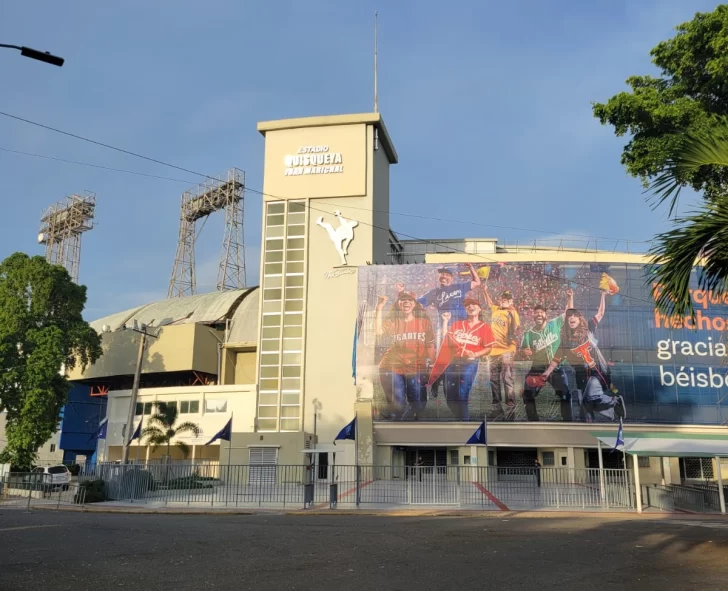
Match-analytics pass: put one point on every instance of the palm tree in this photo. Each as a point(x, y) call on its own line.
point(162, 427)
point(701, 236)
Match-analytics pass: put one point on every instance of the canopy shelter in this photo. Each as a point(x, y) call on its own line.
point(673, 445)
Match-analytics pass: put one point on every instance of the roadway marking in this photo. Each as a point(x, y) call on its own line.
point(491, 496)
point(28, 527)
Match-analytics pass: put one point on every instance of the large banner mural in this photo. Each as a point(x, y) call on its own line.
point(573, 342)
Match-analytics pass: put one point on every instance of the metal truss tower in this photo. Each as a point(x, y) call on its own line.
point(61, 227)
point(197, 203)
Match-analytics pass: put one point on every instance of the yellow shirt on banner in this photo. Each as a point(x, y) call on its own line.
point(504, 323)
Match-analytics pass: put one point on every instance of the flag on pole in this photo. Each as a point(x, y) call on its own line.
point(620, 436)
point(480, 437)
point(357, 329)
point(224, 433)
point(348, 432)
point(137, 431)
point(100, 433)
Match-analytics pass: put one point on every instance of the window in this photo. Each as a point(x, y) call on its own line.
point(147, 408)
point(466, 460)
point(139, 408)
point(57, 469)
point(454, 459)
point(53, 448)
point(189, 407)
point(696, 468)
point(548, 458)
point(643, 462)
point(563, 460)
point(215, 405)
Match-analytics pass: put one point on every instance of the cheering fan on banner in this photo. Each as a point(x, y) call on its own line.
point(539, 344)
point(579, 346)
point(447, 297)
point(504, 322)
point(464, 344)
point(404, 366)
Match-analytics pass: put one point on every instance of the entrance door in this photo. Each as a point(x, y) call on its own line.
point(428, 483)
point(323, 466)
point(263, 462)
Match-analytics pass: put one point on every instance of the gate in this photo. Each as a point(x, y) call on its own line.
point(433, 485)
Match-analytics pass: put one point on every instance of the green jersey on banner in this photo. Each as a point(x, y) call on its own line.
point(545, 342)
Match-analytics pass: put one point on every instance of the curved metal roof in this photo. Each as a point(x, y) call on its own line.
point(206, 308)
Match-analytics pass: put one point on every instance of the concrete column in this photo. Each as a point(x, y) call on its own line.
point(637, 486)
point(365, 426)
point(721, 493)
point(602, 492)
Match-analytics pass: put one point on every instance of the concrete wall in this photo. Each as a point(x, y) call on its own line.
point(238, 399)
point(330, 293)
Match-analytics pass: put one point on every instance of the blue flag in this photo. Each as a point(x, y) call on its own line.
point(100, 433)
point(348, 432)
point(137, 432)
point(480, 436)
point(620, 435)
point(224, 433)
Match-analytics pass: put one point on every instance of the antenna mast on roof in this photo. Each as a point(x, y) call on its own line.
point(376, 31)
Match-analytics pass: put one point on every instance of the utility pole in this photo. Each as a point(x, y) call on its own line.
point(135, 389)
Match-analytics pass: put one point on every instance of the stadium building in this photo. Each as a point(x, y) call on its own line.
point(419, 340)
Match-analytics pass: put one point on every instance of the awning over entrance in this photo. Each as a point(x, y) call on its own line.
point(674, 445)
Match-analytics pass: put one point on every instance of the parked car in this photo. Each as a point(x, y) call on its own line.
point(51, 477)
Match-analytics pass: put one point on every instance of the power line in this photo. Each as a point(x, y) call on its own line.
point(389, 212)
point(447, 246)
point(154, 176)
point(85, 139)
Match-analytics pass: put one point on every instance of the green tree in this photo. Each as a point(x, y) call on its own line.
point(162, 428)
point(42, 330)
point(701, 236)
point(660, 112)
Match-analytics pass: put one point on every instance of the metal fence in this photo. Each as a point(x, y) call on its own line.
point(682, 497)
point(28, 489)
point(271, 485)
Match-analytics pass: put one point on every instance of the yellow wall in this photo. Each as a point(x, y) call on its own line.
point(178, 348)
point(246, 368)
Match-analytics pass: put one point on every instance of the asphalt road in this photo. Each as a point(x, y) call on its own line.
point(62, 551)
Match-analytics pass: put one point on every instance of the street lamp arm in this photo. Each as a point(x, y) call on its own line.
point(41, 56)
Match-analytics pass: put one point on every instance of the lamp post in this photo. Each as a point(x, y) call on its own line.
point(35, 54)
point(135, 387)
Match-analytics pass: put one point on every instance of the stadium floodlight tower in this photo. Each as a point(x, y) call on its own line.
point(197, 203)
point(61, 227)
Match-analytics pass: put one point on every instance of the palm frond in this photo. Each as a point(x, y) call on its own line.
point(694, 152)
point(188, 427)
point(158, 420)
point(168, 411)
point(184, 448)
point(151, 430)
point(156, 440)
point(702, 235)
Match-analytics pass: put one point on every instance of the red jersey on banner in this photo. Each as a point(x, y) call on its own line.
point(411, 342)
point(461, 337)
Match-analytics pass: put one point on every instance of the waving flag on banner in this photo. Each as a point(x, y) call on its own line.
point(225, 433)
point(348, 432)
point(444, 358)
point(137, 431)
point(480, 437)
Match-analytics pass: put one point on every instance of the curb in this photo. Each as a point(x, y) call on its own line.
point(525, 514)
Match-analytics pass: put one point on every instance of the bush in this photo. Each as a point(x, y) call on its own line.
point(74, 469)
point(94, 492)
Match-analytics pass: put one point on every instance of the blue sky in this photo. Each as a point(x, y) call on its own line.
point(488, 105)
